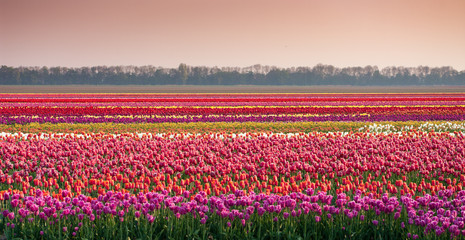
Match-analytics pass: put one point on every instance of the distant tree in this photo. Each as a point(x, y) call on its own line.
point(253, 75)
point(183, 73)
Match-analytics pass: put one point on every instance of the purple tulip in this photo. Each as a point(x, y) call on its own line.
point(14, 203)
point(285, 215)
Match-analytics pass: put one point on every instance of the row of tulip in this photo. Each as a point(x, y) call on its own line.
point(199, 109)
point(373, 163)
point(62, 186)
point(229, 119)
point(206, 111)
point(244, 99)
point(236, 127)
point(222, 95)
point(308, 215)
point(230, 104)
point(423, 127)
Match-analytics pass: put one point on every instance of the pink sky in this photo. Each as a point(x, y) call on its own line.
point(232, 32)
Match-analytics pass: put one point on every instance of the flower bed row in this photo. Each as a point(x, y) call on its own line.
point(223, 95)
point(230, 104)
point(245, 99)
point(205, 111)
point(236, 127)
point(218, 164)
point(314, 215)
point(229, 119)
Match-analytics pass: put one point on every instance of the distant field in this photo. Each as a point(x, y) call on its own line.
point(226, 89)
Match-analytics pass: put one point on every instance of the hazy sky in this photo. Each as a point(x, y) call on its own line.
point(240, 33)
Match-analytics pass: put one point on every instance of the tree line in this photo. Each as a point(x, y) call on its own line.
point(253, 75)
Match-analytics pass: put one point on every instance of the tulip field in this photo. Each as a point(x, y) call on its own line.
point(232, 166)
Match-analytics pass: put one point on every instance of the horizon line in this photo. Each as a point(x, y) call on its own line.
point(229, 66)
